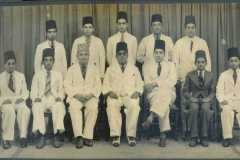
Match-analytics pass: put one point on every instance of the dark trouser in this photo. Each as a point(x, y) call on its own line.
point(199, 119)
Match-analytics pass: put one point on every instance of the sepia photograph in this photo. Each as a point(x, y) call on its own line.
point(119, 79)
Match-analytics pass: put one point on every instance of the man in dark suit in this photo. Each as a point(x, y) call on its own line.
point(199, 93)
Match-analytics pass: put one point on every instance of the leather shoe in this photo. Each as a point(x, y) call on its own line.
point(56, 142)
point(204, 142)
point(79, 142)
point(88, 142)
point(116, 141)
point(41, 142)
point(193, 142)
point(23, 142)
point(226, 143)
point(6, 145)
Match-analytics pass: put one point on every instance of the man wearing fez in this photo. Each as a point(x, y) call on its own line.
point(94, 44)
point(228, 95)
point(199, 92)
point(83, 87)
point(122, 36)
point(47, 94)
point(122, 85)
point(160, 90)
point(60, 63)
point(13, 95)
point(146, 46)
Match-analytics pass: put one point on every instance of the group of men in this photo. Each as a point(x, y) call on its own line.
point(164, 65)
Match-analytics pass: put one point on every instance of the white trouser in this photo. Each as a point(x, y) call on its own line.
point(160, 101)
point(58, 112)
point(227, 117)
point(8, 120)
point(115, 119)
point(90, 116)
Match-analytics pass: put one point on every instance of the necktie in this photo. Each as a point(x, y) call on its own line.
point(10, 83)
point(235, 76)
point(122, 37)
point(122, 68)
point(52, 44)
point(159, 69)
point(191, 46)
point(157, 36)
point(88, 40)
point(83, 68)
point(201, 79)
point(48, 84)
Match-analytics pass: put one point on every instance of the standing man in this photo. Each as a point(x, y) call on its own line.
point(146, 46)
point(93, 44)
point(199, 91)
point(13, 96)
point(228, 95)
point(160, 90)
point(60, 63)
point(47, 94)
point(186, 47)
point(122, 85)
point(83, 87)
point(122, 36)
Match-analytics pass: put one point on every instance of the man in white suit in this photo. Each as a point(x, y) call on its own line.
point(160, 89)
point(83, 87)
point(47, 94)
point(122, 36)
point(60, 63)
point(146, 46)
point(94, 45)
point(228, 95)
point(13, 95)
point(123, 86)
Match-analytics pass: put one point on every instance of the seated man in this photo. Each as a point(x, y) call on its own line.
point(228, 95)
point(83, 87)
point(199, 92)
point(13, 95)
point(160, 83)
point(47, 95)
point(123, 86)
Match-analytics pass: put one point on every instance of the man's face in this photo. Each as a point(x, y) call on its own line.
point(201, 63)
point(88, 29)
point(190, 30)
point(156, 27)
point(122, 57)
point(122, 25)
point(234, 62)
point(10, 65)
point(159, 55)
point(83, 57)
point(48, 62)
point(51, 34)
